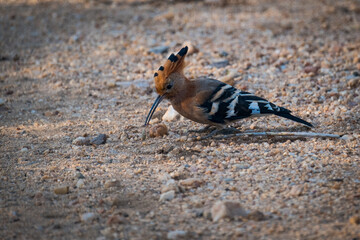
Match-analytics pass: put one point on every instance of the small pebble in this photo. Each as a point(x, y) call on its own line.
point(241, 167)
point(2, 101)
point(180, 173)
point(353, 83)
point(167, 196)
point(311, 69)
point(169, 186)
point(191, 182)
point(107, 232)
point(223, 53)
point(81, 141)
point(337, 112)
point(51, 113)
point(159, 49)
point(295, 191)
point(256, 216)
point(24, 149)
point(79, 175)
point(228, 179)
point(61, 190)
point(158, 130)
point(111, 84)
point(354, 220)
point(115, 219)
point(143, 134)
point(116, 201)
point(253, 125)
point(74, 38)
point(220, 63)
point(80, 183)
point(99, 139)
point(14, 216)
point(177, 234)
point(111, 183)
point(87, 217)
point(227, 209)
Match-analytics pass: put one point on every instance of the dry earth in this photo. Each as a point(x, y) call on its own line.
point(76, 68)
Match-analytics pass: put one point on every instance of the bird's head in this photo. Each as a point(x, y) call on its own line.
point(167, 77)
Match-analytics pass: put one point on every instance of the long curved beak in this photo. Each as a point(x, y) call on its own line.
point(153, 108)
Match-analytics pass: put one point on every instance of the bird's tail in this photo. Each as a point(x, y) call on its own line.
point(291, 117)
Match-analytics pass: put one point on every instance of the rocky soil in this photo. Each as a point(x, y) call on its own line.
point(76, 85)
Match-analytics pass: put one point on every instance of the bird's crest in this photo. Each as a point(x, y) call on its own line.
point(175, 63)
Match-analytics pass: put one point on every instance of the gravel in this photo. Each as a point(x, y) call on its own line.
point(77, 69)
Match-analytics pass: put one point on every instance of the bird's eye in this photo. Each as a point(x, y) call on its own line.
point(169, 86)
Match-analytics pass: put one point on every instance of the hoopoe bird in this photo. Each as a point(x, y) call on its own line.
point(209, 101)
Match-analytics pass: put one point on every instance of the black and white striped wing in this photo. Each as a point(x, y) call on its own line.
point(227, 104)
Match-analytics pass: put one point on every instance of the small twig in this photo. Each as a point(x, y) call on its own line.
point(292, 134)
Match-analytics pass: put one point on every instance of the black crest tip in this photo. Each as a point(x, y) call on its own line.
point(183, 51)
point(161, 68)
point(173, 58)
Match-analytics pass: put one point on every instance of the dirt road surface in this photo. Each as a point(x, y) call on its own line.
point(71, 70)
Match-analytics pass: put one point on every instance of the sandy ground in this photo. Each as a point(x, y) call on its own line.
point(71, 69)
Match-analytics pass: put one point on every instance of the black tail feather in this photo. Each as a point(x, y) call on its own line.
point(296, 119)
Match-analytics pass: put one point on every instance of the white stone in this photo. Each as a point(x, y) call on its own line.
point(227, 209)
point(2, 101)
point(176, 234)
point(80, 183)
point(170, 185)
point(295, 191)
point(171, 115)
point(79, 141)
point(25, 149)
point(86, 217)
point(167, 196)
